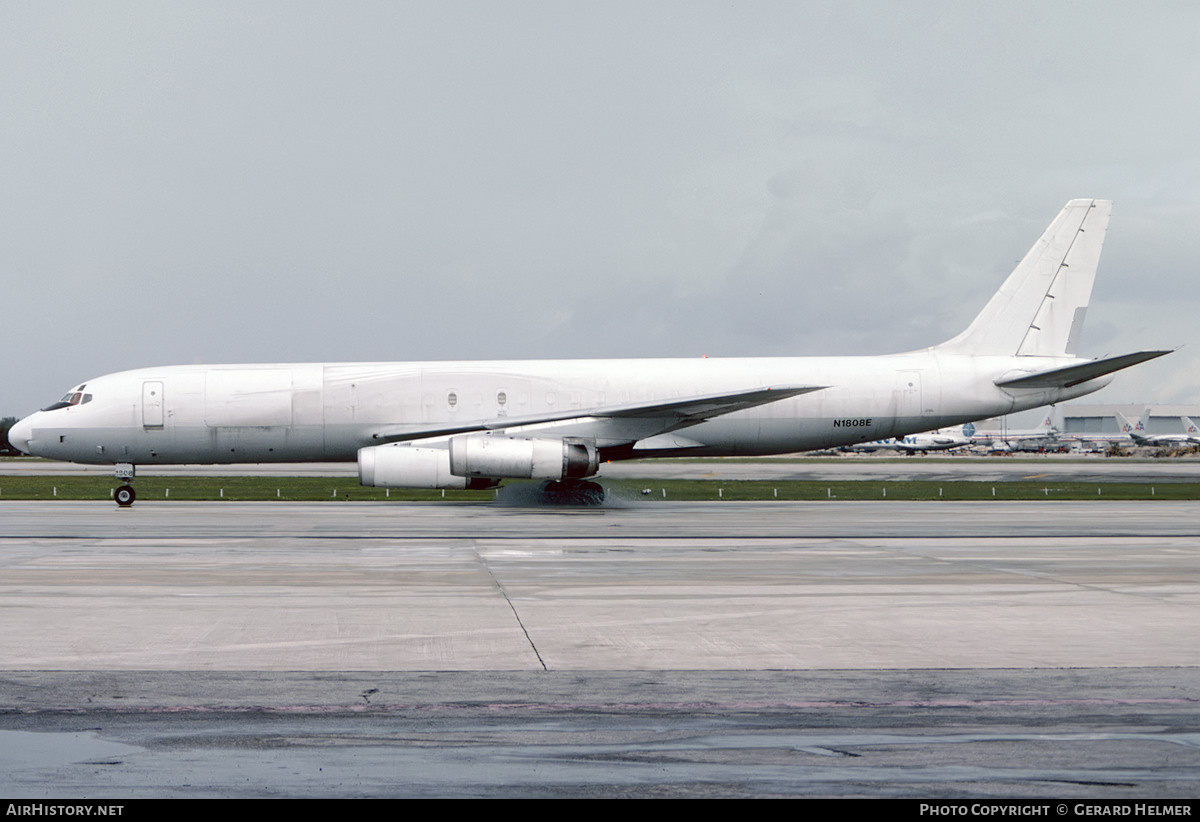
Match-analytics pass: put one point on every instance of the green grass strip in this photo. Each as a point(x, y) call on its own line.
point(331, 489)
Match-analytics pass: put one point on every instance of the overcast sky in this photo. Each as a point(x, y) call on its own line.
point(185, 182)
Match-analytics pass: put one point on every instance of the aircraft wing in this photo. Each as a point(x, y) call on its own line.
point(1075, 374)
point(612, 425)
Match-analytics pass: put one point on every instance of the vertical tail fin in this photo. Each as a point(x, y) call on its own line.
point(1136, 430)
point(1039, 309)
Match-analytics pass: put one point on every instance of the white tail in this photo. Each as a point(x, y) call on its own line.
point(1135, 429)
point(1039, 310)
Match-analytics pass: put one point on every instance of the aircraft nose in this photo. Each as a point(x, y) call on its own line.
point(20, 434)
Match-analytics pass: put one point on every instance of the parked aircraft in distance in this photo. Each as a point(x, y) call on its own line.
point(940, 439)
point(1007, 439)
point(1080, 441)
point(473, 424)
point(1137, 431)
point(1092, 442)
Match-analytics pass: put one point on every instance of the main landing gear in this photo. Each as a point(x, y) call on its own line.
point(125, 494)
point(570, 492)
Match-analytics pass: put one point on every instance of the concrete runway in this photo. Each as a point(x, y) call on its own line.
point(653, 649)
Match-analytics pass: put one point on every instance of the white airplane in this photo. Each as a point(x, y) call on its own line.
point(1006, 439)
point(1092, 442)
point(472, 424)
point(940, 439)
point(1137, 431)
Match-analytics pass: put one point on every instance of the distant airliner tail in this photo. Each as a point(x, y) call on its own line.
point(1039, 310)
point(1135, 430)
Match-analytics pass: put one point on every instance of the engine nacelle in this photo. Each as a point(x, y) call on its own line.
point(555, 459)
point(408, 466)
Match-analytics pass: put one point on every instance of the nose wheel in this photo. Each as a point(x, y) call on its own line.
point(124, 495)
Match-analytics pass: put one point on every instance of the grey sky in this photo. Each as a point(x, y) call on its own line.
point(240, 182)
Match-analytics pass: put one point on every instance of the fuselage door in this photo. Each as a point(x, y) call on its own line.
point(907, 396)
point(152, 405)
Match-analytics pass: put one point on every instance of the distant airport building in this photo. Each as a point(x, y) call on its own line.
point(1102, 419)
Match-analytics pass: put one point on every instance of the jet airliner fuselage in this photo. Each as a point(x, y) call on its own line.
point(314, 411)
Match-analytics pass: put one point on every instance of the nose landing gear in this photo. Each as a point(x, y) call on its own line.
point(125, 494)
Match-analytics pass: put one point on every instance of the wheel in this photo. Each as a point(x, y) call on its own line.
point(570, 492)
point(125, 496)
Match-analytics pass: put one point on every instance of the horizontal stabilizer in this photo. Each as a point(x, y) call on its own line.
point(1076, 374)
point(650, 417)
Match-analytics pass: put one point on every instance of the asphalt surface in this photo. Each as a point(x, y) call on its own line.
point(1037, 650)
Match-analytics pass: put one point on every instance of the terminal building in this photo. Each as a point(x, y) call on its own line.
point(1102, 419)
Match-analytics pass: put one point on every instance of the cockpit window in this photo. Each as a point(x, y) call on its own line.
point(75, 397)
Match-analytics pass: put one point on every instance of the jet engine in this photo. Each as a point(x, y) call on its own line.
point(408, 466)
point(490, 456)
point(477, 461)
